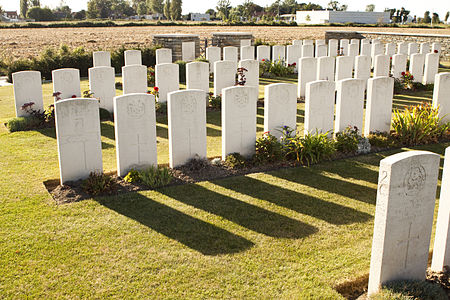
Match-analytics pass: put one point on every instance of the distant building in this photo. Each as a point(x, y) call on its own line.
point(288, 18)
point(11, 15)
point(332, 16)
point(199, 17)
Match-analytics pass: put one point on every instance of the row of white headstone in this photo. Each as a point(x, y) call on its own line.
point(406, 197)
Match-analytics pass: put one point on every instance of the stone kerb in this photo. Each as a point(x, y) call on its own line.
point(102, 82)
point(134, 79)
point(135, 132)
point(66, 82)
point(27, 87)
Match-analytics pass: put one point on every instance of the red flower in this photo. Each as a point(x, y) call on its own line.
point(56, 94)
point(156, 88)
point(435, 51)
point(151, 73)
point(412, 77)
point(294, 64)
point(74, 96)
point(403, 73)
point(263, 59)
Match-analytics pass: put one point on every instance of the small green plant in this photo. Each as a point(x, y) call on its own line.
point(155, 177)
point(347, 141)
point(132, 176)
point(161, 108)
point(277, 68)
point(36, 118)
point(418, 124)
point(151, 76)
point(405, 290)
point(235, 161)
point(310, 149)
point(215, 101)
point(268, 149)
point(22, 123)
point(197, 163)
point(99, 183)
point(105, 115)
point(119, 85)
point(381, 140)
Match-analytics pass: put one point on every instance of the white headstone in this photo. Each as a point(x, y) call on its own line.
point(362, 67)
point(349, 104)
point(366, 49)
point(247, 52)
point(321, 50)
point(135, 131)
point(402, 48)
point(280, 107)
point(187, 126)
point(441, 95)
point(441, 249)
point(353, 50)
point(319, 107)
point(413, 48)
point(320, 42)
point(78, 137)
point(376, 41)
point(343, 44)
point(224, 75)
point(416, 65)
point(380, 92)
point(197, 76)
point(308, 42)
point(325, 68)
point(297, 42)
point(163, 56)
point(381, 65)
point(425, 48)
point(377, 49)
point(101, 58)
point(365, 41)
point(239, 120)
point(102, 84)
point(230, 53)
point(431, 67)
point(307, 68)
point(252, 74)
point(344, 67)
point(278, 53)
point(404, 217)
point(213, 54)
point(294, 53)
point(67, 82)
point(167, 80)
point(27, 88)
point(333, 47)
point(391, 49)
point(187, 51)
point(134, 79)
point(398, 65)
point(245, 43)
point(133, 57)
point(262, 52)
point(307, 50)
point(436, 47)
point(355, 41)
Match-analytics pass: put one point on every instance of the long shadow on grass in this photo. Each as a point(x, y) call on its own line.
point(49, 132)
point(240, 212)
point(309, 205)
point(194, 233)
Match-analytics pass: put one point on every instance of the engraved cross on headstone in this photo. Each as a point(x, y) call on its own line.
point(407, 242)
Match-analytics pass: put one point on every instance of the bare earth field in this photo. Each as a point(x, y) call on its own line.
point(21, 43)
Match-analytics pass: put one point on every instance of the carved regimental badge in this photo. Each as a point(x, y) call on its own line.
point(188, 104)
point(415, 179)
point(136, 108)
point(241, 100)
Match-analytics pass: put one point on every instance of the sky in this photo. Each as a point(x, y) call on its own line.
point(417, 7)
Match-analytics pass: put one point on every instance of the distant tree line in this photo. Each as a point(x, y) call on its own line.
point(402, 16)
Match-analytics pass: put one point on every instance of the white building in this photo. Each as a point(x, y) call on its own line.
point(332, 16)
point(199, 17)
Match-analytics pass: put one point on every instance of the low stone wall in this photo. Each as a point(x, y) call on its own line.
point(389, 37)
point(175, 41)
point(224, 39)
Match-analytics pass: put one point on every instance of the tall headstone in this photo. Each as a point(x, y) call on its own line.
point(436, 47)
point(402, 48)
point(413, 48)
point(325, 68)
point(366, 49)
point(321, 50)
point(431, 67)
point(308, 42)
point(197, 76)
point(247, 52)
point(362, 67)
point(187, 51)
point(224, 75)
point(230, 53)
point(187, 126)
point(307, 50)
point(133, 57)
point(213, 54)
point(245, 43)
point(320, 42)
point(343, 44)
point(441, 249)
point(349, 104)
point(163, 56)
point(67, 82)
point(353, 50)
point(102, 83)
point(101, 58)
point(280, 107)
point(252, 74)
point(167, 80)
point(391, 49)
point(398, 65)
point(278, 53)
point(294, 53)
point(403, 218)
point(262, 52)
point(376, 41)
point(441, 95)
point(135, 132)
point(78, 137)
point(416, 65)
point(134, 79)
point(381, 66)
point(344, 67)
point(307, 68)
point(239, 120)
point(333, 47)
point(377, 49)
point(27, 88)
point(380, 92)
point(297, 42)
point(319, 107)
point(425, 48)
point(355, 41)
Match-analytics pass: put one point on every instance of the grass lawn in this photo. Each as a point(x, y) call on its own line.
point(291, 233)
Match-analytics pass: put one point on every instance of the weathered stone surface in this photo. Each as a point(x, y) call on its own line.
point(163, 56)
point(101, 59)
point(349, 104)
point(307, 69)
point(247, 52)
point(263, 52)
point(188, 51)
point(133, 57)
point(27, 88)
point(197, 76)
point(431, 67)
point(66, 82)
point(252, 74)
point(167, 80)
point(398, 65)
point(224, 75)
point(380, 92)
point(230, 53)
point(102, 82)
point(416, 66)
point(319, 107)
point(344, 67)
point(134, 79)
point(325, 68)
point(213, 54)
point(441, 95)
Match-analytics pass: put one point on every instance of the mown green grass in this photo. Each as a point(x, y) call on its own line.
point(287, 234)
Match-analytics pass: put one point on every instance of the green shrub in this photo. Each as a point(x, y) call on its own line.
point(105, 115)
point(119, 85)
point(418, 124)
point(155, 177)
point(215, 101)
point(235, 161)
point(196, 164)
point(347, 141)
point(310, 149)
point(277, 68)
point(22, 123)
point(201, 59)
point(381, 140)
point(99, 183)
point(182, 70)
point(161, 108)
point(132, 176)
point(268, 149)
point(407, 290)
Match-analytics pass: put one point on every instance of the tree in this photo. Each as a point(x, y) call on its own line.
point(63, 12)
point(435, 18)
point(370, 7)
point(335, 5)
point(167, 9)
point(446, 16)
point(23, 8)
point(157, 6)
point(211, 12)
point(99, 9)
point(80, 15)
point(141, 8)
point(41, 14)
point(223, 9)
point(175, 9)
point(426, 17)
point(34, 3)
